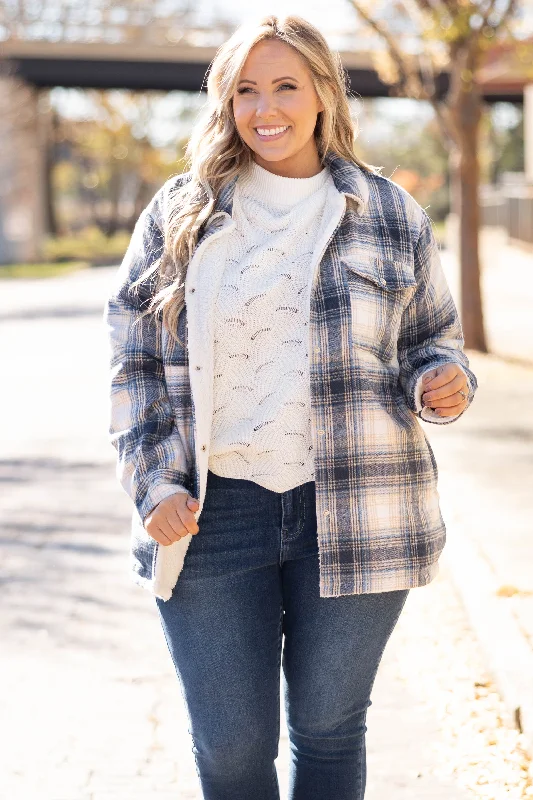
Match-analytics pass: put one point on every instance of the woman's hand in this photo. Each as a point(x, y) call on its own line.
point(441, 390)
point(172, 518)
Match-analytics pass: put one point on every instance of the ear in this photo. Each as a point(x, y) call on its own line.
point(320, 106)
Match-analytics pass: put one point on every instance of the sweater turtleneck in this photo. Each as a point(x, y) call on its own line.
point(274, 189)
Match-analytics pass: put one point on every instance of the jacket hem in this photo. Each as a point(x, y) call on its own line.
point(394, 583)
point(167, 566)
point(149, 585)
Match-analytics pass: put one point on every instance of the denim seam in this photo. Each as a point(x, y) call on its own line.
point(275, 782)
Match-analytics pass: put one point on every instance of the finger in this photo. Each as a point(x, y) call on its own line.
point(188, 520)
point(428, 376)
point(157, 534)
point(181, 516)
point(445, 391)
point(451, 411)
point(172, 525)
point(448, 402)
point(445, 373)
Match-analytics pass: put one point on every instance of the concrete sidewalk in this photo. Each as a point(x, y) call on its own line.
point(486, 476)
point(88, 694)
point(486, 486)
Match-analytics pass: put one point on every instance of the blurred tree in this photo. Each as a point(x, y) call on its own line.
point(415, 157)
point(108, 163)
point(421, 38)
point(51, 125)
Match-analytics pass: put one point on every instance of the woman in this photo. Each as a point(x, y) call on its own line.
point(279, 325)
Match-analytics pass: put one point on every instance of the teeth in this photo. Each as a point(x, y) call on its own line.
point(273, 132)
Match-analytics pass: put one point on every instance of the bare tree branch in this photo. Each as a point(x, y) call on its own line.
point(432, 6)
point(395, 53)
point(409, 76)
point(505, 15)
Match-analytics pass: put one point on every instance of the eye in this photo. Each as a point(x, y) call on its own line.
point(246, 89)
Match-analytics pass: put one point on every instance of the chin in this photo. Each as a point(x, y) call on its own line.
point(270, 156)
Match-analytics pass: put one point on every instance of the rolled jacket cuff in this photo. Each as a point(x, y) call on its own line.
point(158, 493)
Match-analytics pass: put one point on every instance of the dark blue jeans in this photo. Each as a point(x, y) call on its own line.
point(250, 577)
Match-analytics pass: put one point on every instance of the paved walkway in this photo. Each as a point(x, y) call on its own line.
point(486, 476)
point(491, 495)
point(88, 694)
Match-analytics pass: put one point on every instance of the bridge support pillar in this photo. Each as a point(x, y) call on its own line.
point(528, 132)
point(22, 171)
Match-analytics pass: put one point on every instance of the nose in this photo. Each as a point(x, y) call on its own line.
point(265, 107)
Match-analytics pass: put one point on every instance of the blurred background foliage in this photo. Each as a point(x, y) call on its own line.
point(111, 151)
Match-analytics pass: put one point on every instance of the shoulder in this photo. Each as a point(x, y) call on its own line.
point(380, 200)
point(176, 182)
point(387, 198)
point(408, 225)
point(158, 206)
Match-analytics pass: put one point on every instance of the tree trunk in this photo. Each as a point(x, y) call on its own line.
point(52, 127)
point(114, 198)
point(464, 166)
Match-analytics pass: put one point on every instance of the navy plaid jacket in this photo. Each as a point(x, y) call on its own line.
point(381, 315)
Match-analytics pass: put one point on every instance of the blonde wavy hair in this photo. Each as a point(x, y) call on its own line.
point(216, 153)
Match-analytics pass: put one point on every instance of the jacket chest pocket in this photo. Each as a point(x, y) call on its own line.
point(379, 291)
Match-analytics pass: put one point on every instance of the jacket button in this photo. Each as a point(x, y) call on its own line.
point(321, 432)
point(317, 349)
point(326, 512)
point(203, 447)
point(192, 289)
point(198, 368)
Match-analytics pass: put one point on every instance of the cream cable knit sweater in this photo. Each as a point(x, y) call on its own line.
point(261, 412)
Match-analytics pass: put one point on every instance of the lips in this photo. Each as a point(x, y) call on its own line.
point(268, 134)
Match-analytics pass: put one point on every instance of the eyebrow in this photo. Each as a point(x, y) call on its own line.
point(276, 80)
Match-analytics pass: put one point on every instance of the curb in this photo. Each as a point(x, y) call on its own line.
point(509, 655)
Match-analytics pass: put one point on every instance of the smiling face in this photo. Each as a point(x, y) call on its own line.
point(275, 108)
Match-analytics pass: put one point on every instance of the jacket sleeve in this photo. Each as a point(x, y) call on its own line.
point(430, 333)
point(151, 459)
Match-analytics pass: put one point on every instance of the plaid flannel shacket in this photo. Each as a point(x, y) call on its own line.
point(381, 315)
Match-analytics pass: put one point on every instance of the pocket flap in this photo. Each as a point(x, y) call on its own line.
point(390, 274)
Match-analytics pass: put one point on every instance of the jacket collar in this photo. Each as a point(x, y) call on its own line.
point(349, 179)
